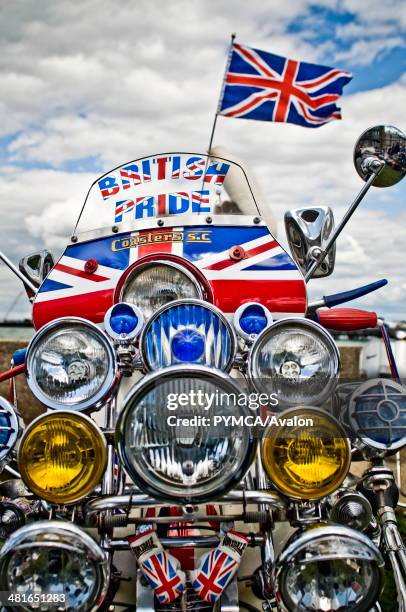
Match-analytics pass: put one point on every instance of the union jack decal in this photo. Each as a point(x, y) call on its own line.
point(266, 273)
point(267, 87)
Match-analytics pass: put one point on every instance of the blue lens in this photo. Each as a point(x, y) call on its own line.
point(253, 320)
point(188, 332)
point(123, 319)
point(187, 345)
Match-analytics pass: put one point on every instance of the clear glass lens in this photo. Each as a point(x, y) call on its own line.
point(314, 583)
point(62, 458)
point(70, 365)
point(184, 457)
point(157, 284)
point(296, 363)
point(53, 570)
point(188, 333)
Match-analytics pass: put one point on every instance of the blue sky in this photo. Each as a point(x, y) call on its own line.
point(88, 85)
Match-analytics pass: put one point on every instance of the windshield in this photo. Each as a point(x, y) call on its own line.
point(166, 184)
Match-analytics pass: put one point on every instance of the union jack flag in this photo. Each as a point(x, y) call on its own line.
point(267, 87)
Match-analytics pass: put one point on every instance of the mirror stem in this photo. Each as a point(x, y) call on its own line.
point(17, 272)
point(344, 221)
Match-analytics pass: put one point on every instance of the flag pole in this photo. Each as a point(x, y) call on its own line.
point(230, 52)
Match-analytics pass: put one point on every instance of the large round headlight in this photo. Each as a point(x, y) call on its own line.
point(53, 565)
point(307, 456)
point(152, 284)
point(62, 456)
point(8, 428)
point(188, 331)
point(71, 364)
point(328, 568)
point(296, 359)
point(170, 441)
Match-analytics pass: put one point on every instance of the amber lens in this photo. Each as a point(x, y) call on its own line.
point(62, 457)
point(306, 460)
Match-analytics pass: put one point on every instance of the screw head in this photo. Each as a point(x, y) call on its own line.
point(256, 220)
point(209, 220)
point(114, 229)
point(160, 222)
point(74, 239)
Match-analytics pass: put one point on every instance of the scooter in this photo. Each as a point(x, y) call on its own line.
point(194, 414)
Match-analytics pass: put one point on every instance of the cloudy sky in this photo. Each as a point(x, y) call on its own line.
point(88, 84)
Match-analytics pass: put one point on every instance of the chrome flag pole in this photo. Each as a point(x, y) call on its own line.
point(230, 52)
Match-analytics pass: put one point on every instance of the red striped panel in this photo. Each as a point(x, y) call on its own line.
point(91, 306)
point(97, 278)
point(278, 296)
point(220, 265)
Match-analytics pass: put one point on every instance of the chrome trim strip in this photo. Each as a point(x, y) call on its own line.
point(170, 221)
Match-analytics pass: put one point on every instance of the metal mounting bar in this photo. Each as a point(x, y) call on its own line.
point(17, 272)
point(144, 501)
point(376, 169)
point(184, 542)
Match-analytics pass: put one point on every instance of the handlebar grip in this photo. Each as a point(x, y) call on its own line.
point(353, 294)
point(346, 319)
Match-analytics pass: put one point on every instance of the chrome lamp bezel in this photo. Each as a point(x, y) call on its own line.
point(58, 534)
point(301, 539)
point(144, 387)
point(98, 399)
point(255, 377)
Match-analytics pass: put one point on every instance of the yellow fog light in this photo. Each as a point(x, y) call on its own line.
point(306, 455)
point(62, 456)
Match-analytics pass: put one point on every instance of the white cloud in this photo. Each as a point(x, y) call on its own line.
point(116, 81)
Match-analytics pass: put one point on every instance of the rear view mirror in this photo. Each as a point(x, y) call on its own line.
point(308, 230)
point(37, 266)
point(381, 143)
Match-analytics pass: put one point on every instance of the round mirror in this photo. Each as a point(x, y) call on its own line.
point(386, 143)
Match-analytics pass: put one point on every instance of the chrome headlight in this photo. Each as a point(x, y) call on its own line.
point(188, 331)
point(170, 442)
point(377, 414)
point(152, 284)
point(296, 359)
point(55, 558)
point(328, 567)
point(8, 428)
point(71, 364)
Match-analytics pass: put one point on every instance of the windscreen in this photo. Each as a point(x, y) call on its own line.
point(163, 185)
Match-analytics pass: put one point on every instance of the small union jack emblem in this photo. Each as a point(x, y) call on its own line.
point(267, 87)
